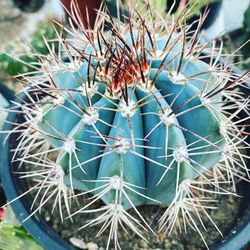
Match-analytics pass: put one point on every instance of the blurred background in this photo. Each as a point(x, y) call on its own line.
point(24, 22)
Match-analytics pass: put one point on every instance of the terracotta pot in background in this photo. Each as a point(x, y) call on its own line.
point(85, 5)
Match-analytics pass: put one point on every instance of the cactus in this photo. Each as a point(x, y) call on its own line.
point(131, 114)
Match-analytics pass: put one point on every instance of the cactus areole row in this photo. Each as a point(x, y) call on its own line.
point(133, 116)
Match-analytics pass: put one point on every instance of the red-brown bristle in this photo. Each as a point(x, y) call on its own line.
point(125, 72)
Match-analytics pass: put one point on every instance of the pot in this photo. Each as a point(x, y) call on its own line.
point(13, 187)
point(8, 96)
point(84, 6)
point(29, 6)
point(92, 7)
point(7, 93)
point(239, 236)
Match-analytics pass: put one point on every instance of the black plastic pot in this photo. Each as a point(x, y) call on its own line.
point(7, 93)
point(213, 9)
point(29, 6)
point(239, 236)
point(9, 96)
point(13, 187)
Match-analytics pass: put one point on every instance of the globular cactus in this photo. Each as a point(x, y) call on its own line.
point(131, 114)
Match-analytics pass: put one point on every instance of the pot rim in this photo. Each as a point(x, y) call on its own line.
point(6, 92)
point(38, 229)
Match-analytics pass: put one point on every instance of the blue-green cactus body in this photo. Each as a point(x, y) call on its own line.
point(88, 133)
point(110, 164)
point(192, 122)
point(169, 137)
point(171, 134)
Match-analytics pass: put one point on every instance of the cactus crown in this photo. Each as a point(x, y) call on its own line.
point(130, 114)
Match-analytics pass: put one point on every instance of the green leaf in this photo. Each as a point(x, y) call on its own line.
point(14, 237)
point(246, 22)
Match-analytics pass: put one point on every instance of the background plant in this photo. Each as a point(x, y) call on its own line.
point(23, 24)
point(20, 57)
point(12, 235)
point(132, 115)
point(164, 6)
point(235, 39)
point(15, 237)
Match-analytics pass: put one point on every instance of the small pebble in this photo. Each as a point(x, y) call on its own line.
point(143, 244)
point(65, 232)
point(78, 243)
point(47, 218)
point(92, 246)
point(167, 244)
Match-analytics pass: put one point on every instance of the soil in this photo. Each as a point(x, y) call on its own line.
point(225, 216)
